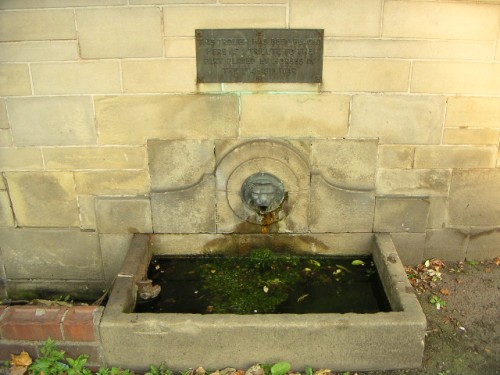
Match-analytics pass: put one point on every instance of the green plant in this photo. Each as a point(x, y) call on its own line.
point(77, 366)
point(280, 368)
point(160, 370)
point(308, 370)
point(437, 301)
point(51, 362)
point(104, 371)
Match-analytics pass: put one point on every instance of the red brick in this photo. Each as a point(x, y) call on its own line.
point(8, 348)
point(78, 324)
point(32, 323)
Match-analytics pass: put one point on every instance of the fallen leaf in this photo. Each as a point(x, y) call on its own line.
point(22, 359)
point(497, 261)
point(444, 292)
point(18, 370)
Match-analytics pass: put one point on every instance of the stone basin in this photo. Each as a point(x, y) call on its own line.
point(341, 342)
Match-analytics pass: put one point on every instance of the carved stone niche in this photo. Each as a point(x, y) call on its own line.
point(237, 160)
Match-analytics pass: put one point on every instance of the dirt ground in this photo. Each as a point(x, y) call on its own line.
point(463, 338)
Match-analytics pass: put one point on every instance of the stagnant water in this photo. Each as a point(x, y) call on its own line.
point(265, 282)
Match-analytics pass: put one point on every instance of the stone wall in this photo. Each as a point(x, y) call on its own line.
point(405, 124)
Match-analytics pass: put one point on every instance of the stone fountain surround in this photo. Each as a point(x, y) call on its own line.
point(343, 342)
point(330, 208)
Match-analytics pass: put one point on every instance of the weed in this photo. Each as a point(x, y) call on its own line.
point(77, 366)
point(160, 370)
point(280, 368)
point(51, 361)
point(437, 301)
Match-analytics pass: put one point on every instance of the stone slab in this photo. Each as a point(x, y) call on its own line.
point(15, 80)
point(6, 215)
point(296, 115)
point(410, 247)
point(337, 210)
point(455, 156)
point(483, 244)
point(446, 244)
point(112, 182)
point(43, 199)
point(189, 210)
point(134, 32)
point(413, 182)
point(178, 164)
point(346, 163)
point(165, 117)
point(401, 214)
point(52, 121)
point(62, 254)
point(395, 156)
point(114, 248)
point(474, 197)
point(123, 215)
point(398, 119)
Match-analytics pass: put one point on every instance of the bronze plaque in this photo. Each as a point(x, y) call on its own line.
point(259, 55)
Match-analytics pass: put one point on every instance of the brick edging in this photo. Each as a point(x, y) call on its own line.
point(75, 328)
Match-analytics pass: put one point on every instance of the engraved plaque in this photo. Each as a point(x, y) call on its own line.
point(259, 55)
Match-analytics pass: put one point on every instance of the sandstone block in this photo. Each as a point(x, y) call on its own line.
point(29, 4)
point(413, 182)
point(474, 197)
point(295, 115)
point(174, 2)
point(183, 20)
point(483, 244)
point(74, 158)
point(337, 210)
point(190, 210)
point(86, 208)
point(4, 121)
point(438, 209)
point(43, 199)
point(446, 244)
point(395, 156)
point(133, 32)
point(123, 215)
point(374, 75)
point(63, 254)
point(462, 136)
point(114, 248)
point(267, 87)
point(410, 247)
point(15, 80)
point(398, 119)
point(409, 49)
point(53, 24)
point(409, 19)
point(346, 163)
point(53, 50)
point(5, 138)
point(166, 117)
point(336, 17)
point(179, 164)
point(15, 159)
point(6, 216)
point(180, 47)
point(455, 156)
point(112, 182)
point(52, 121)
point(455, 77)
point(401, 214)
point(481, 112)
point(159, 75)
point(94, 77)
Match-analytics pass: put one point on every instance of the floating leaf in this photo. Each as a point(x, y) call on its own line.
point(358, 262)
point(280, 368)
point(302, 297)
point(315, 263)
point(266, 289)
